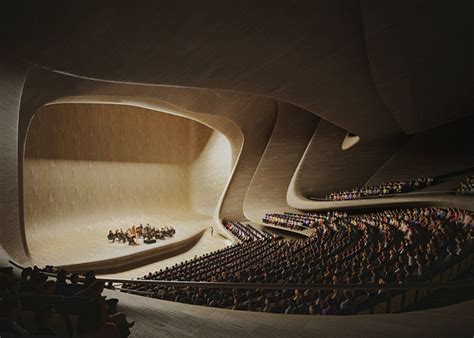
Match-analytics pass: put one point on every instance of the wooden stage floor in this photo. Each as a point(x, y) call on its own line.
point(74, 243)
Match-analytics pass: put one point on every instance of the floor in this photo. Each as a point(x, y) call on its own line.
point(207, 243)
point(72, 244)
point(158, 318)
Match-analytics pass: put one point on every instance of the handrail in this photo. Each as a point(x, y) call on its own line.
point(279, 227)
point(445, 192)
point(272, 286)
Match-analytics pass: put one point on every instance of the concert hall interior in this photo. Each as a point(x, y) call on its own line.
point(235, 168)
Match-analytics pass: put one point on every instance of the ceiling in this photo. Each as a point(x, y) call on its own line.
point(373, 68)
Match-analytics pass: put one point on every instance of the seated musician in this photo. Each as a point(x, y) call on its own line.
point(131, 240)
point(111, 236)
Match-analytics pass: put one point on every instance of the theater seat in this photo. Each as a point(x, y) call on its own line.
point(58, 323)
point(410, 297)
point(396, 303)
point(435, 279)
point(463, 265)
point(380, 307)
point(422, 293)
point(365, 311)
point(446, 275)
point(455, 271)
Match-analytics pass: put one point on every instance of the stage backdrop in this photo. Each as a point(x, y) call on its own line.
point(100, 166)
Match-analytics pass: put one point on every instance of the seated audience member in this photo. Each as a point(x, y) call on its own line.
point(9, 314)
point(314, 310)
point(47, 288)
point(44, 321)
point(467, 187)
point(389, 246)
point(61, 287)
point(94, 291)
point(9, 285)
point(89, 278)
point(92, 322)
point(331, 308)
point(25, 281)
point(347, 305)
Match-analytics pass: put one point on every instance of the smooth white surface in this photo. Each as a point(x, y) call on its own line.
point(159, 318)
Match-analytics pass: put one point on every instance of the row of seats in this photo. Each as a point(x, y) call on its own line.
point(247, 232)
point(467, 187)
point(387, 188)
point(69, 306)
point(397, 301)
point(299, 222)
point(391, 246)
point(293, 221)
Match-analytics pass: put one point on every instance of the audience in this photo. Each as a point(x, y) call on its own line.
point(44, 319)
point(392, 246)
point(35, 292)
point(92, 322)
point(467, 187)
point(293, 221)
point(9, 316)
point(248, 232)
point(388, 188)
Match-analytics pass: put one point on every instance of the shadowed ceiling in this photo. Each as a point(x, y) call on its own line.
point(348, 62)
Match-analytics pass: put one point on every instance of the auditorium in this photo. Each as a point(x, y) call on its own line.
point(178, 168)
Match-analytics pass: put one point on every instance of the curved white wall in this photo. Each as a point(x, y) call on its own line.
point(91, 167)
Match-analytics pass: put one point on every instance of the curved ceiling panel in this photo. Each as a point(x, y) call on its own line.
point(253, 116)
point(310, 54)
point(422, 59)
point(325, 167)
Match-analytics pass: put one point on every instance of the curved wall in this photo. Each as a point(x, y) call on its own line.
point(422, 59)
point(434, 152)
point(268, 188)
point(12, 78)
point(312, 55)
point(93, 167)
point(246, 120)
point(210, 171)
point(325, 167)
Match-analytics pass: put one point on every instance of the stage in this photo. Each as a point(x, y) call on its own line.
point(80, 246)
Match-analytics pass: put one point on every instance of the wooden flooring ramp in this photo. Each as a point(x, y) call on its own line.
point(158, 318)
point(127, 262)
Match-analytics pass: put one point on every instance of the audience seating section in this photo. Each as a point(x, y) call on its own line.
point(391, 246)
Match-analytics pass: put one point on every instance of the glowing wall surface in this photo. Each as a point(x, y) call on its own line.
point(91, 167)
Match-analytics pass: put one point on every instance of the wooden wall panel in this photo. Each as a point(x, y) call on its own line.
point(210, 172)
point(325, 167)
point(111, 133)
point(268, 189)
point(312, 55)
point(109, 166)
point(246, 122)
point(434, 152)
point(12, 77)
point(422, 59)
